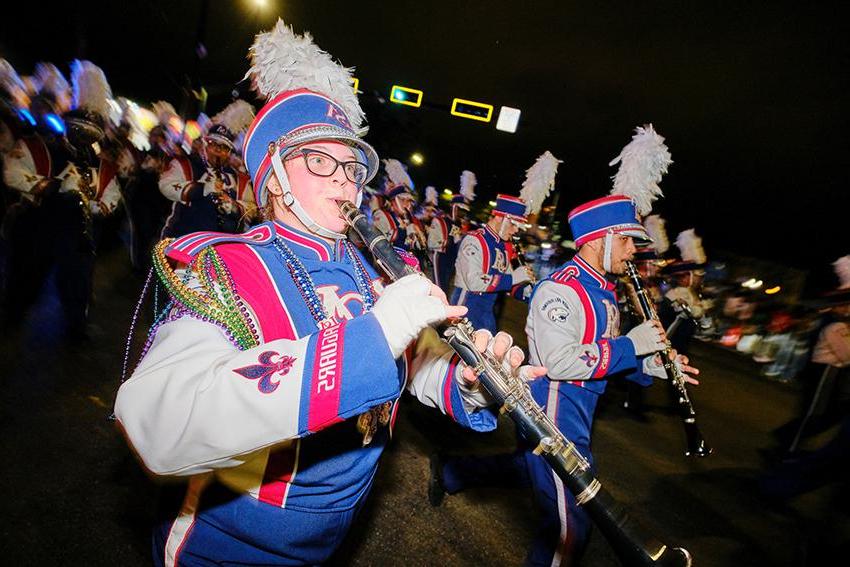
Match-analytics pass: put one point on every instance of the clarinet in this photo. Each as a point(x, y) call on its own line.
point(696, 445)
point(630, 541)
point(521, 260)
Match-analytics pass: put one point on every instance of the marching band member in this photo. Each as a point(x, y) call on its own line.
point(66, 186)
point(483, 266)
point(395, 218)
point(573, 327)
point(446, 231)
point(205, 188)
point(273, 381)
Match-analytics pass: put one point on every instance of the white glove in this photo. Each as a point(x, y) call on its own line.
point(405, 309)
point(647, 338)
point(520, 275)
point(653, 366)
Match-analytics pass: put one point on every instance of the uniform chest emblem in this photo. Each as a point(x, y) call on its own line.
point(337, 305)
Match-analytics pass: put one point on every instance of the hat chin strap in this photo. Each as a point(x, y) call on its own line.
point(606, 251)
point(290, 201)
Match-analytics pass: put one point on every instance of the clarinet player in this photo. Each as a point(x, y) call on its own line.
point(271, 384)
point(572, 327)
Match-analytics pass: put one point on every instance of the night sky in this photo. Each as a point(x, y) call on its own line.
point(750, 96)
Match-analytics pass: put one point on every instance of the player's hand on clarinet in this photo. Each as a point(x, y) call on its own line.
point(648, 337)
point(502, 348)
point(409, 305)
point(688, 372)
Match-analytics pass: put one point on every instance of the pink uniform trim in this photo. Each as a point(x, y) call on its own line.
point(326, 382)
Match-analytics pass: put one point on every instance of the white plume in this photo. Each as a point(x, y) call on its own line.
point(690, 247)
point(236, 116)
point(283, 61)
point(91, 91)
point(430, 196)
point(164, 110)
point(468, 182)
point(396, 173)
point(643, 162)
point(539, 182)
point(842, 270)
point(49, 78)
point(654, 225)
point(9, 79)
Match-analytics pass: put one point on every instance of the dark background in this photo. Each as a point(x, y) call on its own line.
point(750, 96)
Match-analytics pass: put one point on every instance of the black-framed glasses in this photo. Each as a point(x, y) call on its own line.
point(324, 165)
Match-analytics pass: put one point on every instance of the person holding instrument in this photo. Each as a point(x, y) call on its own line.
point(272, 379)
point(483, 266)
point(207, 193)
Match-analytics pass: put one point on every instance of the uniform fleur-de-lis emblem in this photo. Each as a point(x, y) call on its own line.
point(266, 369)
point(589, 358)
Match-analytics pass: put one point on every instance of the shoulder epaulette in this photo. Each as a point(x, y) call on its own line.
point(185, 248)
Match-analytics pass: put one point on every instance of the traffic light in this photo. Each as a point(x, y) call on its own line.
point(472, 110)
point(406, 96)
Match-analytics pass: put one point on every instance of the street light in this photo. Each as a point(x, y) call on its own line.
point(416, 158)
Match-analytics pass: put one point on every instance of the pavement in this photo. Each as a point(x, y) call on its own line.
point(73, 494)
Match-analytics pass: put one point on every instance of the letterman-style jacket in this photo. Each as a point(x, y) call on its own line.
point(573, 326)
point(483, 267)
point(401, 233)
point(252, 395)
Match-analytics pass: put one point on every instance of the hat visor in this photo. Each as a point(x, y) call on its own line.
point(327, 132)
point(635, 231)
point(223, 140)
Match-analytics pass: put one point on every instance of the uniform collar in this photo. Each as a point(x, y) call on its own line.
point(492, 232)
point(590, 274)
point(309, 245)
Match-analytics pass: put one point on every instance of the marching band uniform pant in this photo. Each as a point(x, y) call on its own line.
point(564, 527)
point(444, 267)
point(480, 308)
point(45, 239)
point(309, 537)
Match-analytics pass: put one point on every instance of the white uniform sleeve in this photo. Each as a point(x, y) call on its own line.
point(196, 402)
point(383, 223)
point(555, 327)
point(173, 182)
point(436, 235)
point(469, 272)
point(19, 170)
point(109, 199)
point(436, 381)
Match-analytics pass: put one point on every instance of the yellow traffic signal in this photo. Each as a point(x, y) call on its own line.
point(405, 95)
point(472, 110)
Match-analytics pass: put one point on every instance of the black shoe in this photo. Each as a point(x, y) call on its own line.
point(436, 491)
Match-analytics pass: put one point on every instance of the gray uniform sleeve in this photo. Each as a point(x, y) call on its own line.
point(556, 326)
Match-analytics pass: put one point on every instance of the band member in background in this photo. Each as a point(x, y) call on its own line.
point(15, 121)
point(682, 297)
point(66, 186)
point(573, 328)
point(205, 188)
point(273, 382)
point(444, 236)
point(395, 218)
point(446, 232)
point(483, 266)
